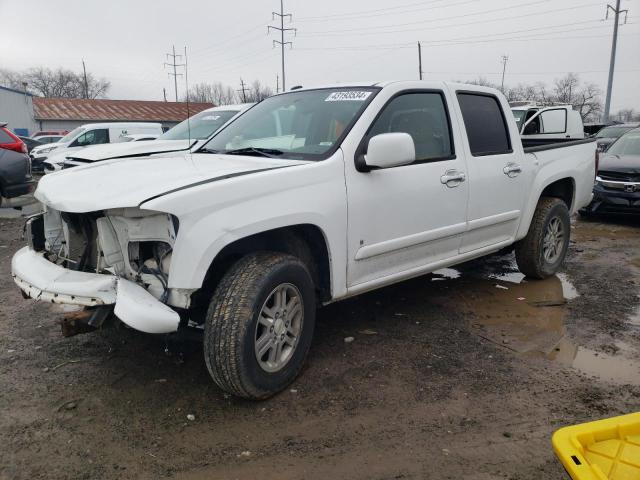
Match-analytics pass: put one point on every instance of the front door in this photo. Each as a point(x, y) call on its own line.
point(401, 219)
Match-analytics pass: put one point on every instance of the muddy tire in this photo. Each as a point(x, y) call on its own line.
point(541, 253)
point(260, 324)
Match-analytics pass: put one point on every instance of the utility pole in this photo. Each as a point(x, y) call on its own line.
point(614, 43)
point(505, 59)
point(175, 65)
point(282, 31)
point(420, 61)
point(86, 85)
point(164, 92)
point(277, 83)
point(243, 90)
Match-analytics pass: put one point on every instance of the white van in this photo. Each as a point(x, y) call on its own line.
point(92, 134)
point(543, 121)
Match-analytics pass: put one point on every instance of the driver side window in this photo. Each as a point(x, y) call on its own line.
point(422, 115)
point(92, 137)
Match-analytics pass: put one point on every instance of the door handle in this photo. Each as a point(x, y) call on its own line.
point(512, 170)
point(452, 178)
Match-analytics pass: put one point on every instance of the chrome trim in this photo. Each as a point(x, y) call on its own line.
point(618, 185)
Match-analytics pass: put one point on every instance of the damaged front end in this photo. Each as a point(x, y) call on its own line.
point(117, 257)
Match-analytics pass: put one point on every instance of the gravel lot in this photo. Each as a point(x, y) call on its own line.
point(463, 374)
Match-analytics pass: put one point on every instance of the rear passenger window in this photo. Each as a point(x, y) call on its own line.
point(485, 124)
point(424, 117)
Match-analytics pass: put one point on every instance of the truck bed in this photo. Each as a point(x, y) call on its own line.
point(532, 145)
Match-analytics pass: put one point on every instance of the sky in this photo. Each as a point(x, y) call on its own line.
point(125, 41)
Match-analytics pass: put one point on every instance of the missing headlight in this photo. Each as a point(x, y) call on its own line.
point(152, 261)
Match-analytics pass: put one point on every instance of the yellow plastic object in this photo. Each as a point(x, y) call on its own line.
point(602, 450)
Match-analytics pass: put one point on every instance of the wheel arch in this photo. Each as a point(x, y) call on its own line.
point(306, 241)
point(563, 187)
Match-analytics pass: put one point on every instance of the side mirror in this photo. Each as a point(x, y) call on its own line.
point(390, 150)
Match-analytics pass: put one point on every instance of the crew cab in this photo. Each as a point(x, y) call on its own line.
point(544, 122)
point(311, 196)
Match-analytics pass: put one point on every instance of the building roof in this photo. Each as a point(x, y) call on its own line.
point(113, 110)
point(15, 91)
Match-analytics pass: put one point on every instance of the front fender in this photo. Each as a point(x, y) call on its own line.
point(215, 215)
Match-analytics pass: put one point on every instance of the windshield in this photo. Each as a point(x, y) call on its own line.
point(202, 125)
point(297, 125)
point(612, 132)
point(628, 144)
point(71, 135)
point(519, 115)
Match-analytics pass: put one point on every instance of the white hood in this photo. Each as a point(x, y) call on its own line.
point(115, 150)
point(129, 182)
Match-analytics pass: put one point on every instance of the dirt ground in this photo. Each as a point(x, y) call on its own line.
point(463, 374)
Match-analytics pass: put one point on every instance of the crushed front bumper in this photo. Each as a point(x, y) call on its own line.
point(43, 280)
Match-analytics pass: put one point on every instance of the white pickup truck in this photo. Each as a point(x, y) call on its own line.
point(312, 196)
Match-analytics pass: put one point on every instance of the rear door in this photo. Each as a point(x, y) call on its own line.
point(498, 179)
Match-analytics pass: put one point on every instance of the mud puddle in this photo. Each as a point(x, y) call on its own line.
point(528, 317)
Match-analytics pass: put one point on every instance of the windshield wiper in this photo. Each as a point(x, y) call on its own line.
point(208, 150)
point(260, 152)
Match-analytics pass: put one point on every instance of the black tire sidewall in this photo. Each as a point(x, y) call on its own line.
point(295, 273)
point(559, 210)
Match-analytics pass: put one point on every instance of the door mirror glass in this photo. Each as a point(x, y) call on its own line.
point(390, 150)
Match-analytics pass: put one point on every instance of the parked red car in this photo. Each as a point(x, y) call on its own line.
point(10, 141)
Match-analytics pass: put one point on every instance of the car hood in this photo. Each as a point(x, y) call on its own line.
point(55, 147)
point(129, 182)
point(620, 163)
point(116, 150)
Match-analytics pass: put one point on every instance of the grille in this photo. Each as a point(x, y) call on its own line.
point(619, 176)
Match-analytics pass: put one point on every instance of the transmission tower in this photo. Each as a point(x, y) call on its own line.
point(174, 65)
point(282, 31)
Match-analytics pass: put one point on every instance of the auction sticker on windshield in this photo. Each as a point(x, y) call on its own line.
point(348, 95)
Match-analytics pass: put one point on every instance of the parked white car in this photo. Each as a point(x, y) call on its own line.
point(188, 134)
point(543, 122)
point(310, 197)
point(91, 134)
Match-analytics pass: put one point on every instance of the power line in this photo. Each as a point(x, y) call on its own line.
point(175, 65)
point(282, 31)
point(465, 40)
point(375, 29)
point(612, 61)
point(395, 10)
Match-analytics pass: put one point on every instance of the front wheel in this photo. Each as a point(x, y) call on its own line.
point(259, 325)
point(541, 253)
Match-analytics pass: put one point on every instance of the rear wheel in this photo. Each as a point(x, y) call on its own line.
point(541, 253)
point(259, 325)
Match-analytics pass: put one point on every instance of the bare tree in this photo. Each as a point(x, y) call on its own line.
point(585, 98)
point(220, 94)
point(258, 92)
point(216, 93)
point(60, 83)
point(626, 115)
